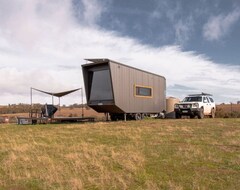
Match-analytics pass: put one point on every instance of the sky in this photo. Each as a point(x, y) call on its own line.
point(194, 44)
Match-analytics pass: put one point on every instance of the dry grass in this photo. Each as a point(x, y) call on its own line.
point(149, 154)
point(229, 107)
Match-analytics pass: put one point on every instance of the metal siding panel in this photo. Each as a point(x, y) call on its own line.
point(145, 102)
point(159, 93)
point(131, 90)
point(120, 80)
point(124, 78)
point(115, 83)
point(128, 93)
point(151, 83)
point(124, 87)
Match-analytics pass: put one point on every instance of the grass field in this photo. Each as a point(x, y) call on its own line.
point(149, 154)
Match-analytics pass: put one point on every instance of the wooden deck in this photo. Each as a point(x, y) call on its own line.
point(72, 119)
point(44, 120)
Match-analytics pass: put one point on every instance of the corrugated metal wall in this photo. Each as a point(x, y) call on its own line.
point(123, 80)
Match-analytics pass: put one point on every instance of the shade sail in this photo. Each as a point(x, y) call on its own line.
point(58, 94)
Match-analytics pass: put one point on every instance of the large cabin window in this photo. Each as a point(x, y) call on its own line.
point(101, 88)
point(143, 91)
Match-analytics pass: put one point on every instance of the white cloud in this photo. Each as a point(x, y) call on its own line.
point(183, 30)
point(173, 11)
point(220, 25)
point(24, 24)
point(92, 11)
point(50, 59)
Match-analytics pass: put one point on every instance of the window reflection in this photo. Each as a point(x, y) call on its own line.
point(101, 88)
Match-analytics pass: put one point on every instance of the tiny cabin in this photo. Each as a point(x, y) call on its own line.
point(123, 91)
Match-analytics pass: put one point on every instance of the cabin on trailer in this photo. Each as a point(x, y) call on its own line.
point(123, 91)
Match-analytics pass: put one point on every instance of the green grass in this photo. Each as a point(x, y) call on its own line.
point(149, 154)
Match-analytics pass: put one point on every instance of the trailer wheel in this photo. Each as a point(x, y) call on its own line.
point(137, 116)
point(113, 117)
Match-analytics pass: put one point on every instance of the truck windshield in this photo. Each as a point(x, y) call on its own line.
point(192, 99)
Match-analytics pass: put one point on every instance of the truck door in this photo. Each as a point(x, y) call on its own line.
point(207, 105)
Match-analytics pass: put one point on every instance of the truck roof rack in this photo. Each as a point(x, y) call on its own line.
point(202, 94)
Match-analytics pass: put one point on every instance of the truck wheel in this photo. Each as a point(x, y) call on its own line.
point(201, 114)
point(178, 115)
point(192, 116)
point(212, 113)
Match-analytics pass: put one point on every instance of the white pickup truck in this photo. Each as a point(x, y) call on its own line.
point(193, 105)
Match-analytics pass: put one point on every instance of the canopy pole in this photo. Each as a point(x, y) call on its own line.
point(82, 102)
point(31, 96)
point(52, 100)
point(59, 103)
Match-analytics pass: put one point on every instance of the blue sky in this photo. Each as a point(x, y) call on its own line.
point(207, 27)
point(194, 44)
